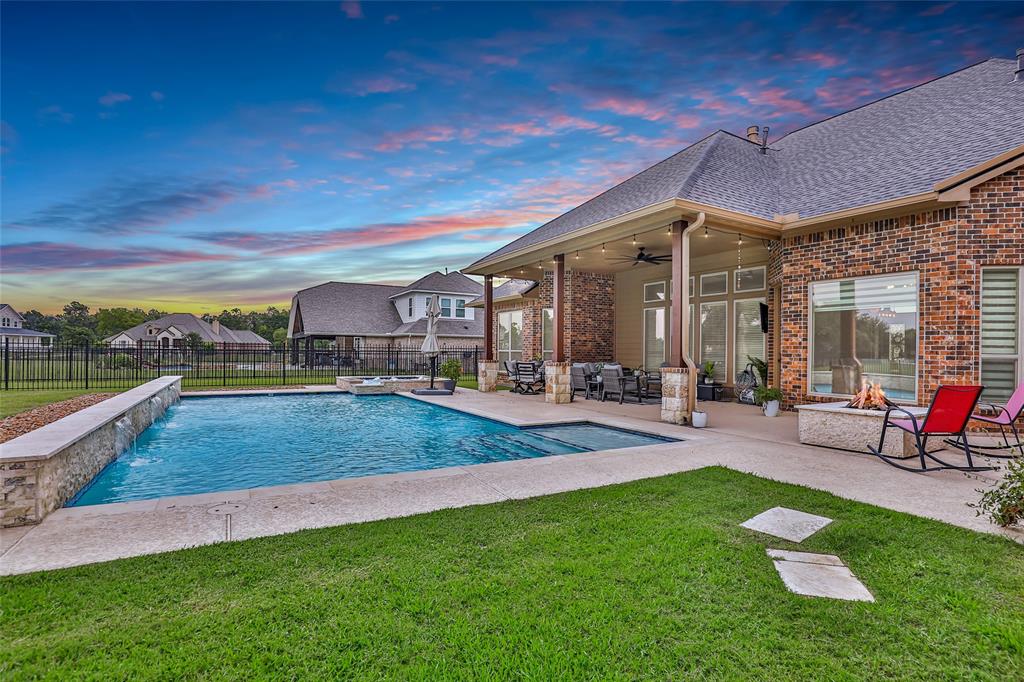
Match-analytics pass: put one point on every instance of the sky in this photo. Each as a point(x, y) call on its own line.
point(199, 156)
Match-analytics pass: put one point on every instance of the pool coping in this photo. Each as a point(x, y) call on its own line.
point(304, 487)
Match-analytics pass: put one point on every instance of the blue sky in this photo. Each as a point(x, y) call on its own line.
point(195, 156)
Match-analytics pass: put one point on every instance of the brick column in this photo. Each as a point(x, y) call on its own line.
point(557, 388)
point(675, 388)
point(487, 376)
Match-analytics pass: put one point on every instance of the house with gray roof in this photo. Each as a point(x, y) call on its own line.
point(884, 244)
point(13, 330)
point(351, 314)
point(170, 331)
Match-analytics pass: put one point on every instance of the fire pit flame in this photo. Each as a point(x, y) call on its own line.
point(870, 397)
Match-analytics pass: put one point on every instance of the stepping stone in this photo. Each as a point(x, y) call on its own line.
point(818, 575)
point(788, 524)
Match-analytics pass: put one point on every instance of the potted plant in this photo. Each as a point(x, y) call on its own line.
point(768, 399)
point(709, 371)
point(451, 370)
point(699, 419)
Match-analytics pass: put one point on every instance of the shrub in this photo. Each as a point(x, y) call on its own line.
point(1004, 502)
point(117, 361)
point(450, 369)
point(761, 367)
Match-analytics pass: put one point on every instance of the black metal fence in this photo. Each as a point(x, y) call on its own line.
point(63, 366)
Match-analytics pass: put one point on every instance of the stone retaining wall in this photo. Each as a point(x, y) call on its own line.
point(43, 469)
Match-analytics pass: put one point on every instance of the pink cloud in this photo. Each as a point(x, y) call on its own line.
point(113, 98)
point(352, 9)
point(776, 98)
point(499, 59)
point(415, 137)
point(936, 10)
point(383, 84)
point(821, 59)
point(686, 121)
point(41, 257)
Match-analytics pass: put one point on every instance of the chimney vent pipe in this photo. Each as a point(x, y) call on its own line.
point(752, 134)
point(1018, 75)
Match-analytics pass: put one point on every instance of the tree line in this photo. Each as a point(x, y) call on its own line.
point(78, 324)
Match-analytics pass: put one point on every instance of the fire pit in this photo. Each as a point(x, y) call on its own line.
point(854, 424)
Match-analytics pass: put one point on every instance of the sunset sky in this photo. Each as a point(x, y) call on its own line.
point(196, 156)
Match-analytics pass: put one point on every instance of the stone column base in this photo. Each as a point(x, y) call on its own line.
point(674, 392)
point(557, 387)
point(487, 376)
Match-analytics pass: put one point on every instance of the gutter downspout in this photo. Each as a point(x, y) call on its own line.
point(691, 368)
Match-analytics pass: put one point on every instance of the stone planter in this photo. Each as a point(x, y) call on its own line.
point(833, 425)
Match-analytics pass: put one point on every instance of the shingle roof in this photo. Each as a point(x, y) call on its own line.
point(894, 147)
point(445, 327)
point(21, 331)
point(348, 309)
point(513, 287)
point(437, 282)
point(187, 323)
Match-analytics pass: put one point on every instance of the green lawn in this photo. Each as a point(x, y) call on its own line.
point(652, 579)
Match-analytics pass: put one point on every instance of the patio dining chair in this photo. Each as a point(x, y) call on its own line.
point(948, 415)
point(1005, 416)
point(510, 369)
point(529, 377)
point(614, 381)
point(578, 381)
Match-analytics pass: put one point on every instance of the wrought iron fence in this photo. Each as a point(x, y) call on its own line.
point(65, 366)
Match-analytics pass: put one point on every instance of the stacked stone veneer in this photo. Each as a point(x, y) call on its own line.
point(557, 386)
point(357, 385)
point(675, 389)
point(589, 316)
point(43, 469)
point(947, 248)
point(487, 376)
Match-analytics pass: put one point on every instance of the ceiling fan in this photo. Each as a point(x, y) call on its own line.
point(641, 257)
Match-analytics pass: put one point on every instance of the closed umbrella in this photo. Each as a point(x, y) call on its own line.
point(430, 347)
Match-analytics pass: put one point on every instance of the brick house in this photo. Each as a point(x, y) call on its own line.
point(886, 244)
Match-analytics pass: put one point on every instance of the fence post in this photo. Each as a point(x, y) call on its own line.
point(87, 348)
point(284, 356)
point(7, 362)
point(223, 364)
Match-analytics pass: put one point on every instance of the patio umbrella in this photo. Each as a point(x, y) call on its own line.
point(430, 347)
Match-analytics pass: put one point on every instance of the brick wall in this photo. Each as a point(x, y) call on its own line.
point(946, 247)
point(589, 319)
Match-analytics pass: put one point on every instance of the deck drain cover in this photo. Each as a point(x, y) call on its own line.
point(226, 508)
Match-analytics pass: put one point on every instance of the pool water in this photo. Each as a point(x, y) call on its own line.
point(232, 443)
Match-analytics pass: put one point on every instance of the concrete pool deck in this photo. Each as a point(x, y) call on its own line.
point(82, 535)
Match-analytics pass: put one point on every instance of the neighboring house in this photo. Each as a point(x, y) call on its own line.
point(170, 331)
point(887, 243)
point(351, 314)
point(12, 329)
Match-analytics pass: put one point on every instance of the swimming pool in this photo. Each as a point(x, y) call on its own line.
point(232, 443)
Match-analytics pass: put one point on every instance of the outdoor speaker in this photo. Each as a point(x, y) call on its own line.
point(764, 317)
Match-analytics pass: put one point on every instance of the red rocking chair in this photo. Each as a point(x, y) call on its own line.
point(948, 415)
point(1006, 416)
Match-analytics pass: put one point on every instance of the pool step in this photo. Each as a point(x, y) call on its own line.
point(499, 447)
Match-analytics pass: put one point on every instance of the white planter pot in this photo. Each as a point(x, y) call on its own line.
point(699, 419)
point(771, 408)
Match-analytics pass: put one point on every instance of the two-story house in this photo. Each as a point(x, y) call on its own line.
point(12, 329)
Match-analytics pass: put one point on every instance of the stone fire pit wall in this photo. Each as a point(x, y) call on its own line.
point(833, 425)
point(43, 469)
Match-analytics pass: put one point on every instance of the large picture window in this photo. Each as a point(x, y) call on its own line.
point(1001, 312)
point(654, 338)
point(713, 334)
point(865, 330)
point(749, 339)
point(547, 332)
point(510, 335)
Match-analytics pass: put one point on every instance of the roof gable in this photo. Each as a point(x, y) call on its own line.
point(441, 283)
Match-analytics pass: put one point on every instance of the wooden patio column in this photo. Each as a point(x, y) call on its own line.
point(679, 338)
point(558, 310)
point(488, 317)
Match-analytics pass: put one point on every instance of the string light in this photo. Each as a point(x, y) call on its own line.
point(634, 240)
point(540, 264)
point(602, 248)
point(577, 255)
point(706, 235)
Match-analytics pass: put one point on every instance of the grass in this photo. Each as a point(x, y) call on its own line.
point(652, 579)
point(13, 402)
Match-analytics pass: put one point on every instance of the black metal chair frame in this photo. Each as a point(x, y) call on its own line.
point(995, 451)
point(921, 440)
point(527, 384)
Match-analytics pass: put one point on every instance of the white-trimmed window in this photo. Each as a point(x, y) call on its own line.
point(714, 283)
point(460, 307)
point(865, 329)
point(547, 332)
point(714, 331)
point(693, 287)
point(446, 307)
point(510, 335)
point(654, 292)
point(749, 339)
point(1002, 311)
point(748, 279)
point(654, 337)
